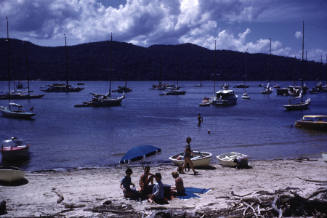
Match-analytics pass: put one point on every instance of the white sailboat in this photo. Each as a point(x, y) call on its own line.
point(100, 100)
point(298, 103)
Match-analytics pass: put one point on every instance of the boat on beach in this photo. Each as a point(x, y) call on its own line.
point(11, 174)
point(324, 156)
point(231, 159)
point(15, 110)
point(199, 159)
point(316, 122)
point(14, 149)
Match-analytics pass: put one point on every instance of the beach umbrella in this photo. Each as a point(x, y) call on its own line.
point(139, 152)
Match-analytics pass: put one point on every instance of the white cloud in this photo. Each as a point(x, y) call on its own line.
point(298, 34)
point(144, 22)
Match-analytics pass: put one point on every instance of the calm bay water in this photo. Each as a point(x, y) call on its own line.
point(62, 136)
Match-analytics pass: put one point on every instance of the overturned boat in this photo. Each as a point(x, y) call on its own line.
point(11, 174)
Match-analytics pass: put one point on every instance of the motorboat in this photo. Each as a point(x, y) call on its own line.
point(206, 101)
point(102, 101)
point(199, 159)
point(225, 98)
point(15, 110)
point(20, 95)
point(231, 159)
point(301, 105)
point(61, 87)
point(122, 89)
point(317, 122)
point(245, 96)
point(11, 174)
point(14, 149)
point(241, 86)
point(175, 92)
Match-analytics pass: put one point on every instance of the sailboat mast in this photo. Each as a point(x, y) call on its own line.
point(66, 64)
point(302, 40)
point(27, 69)
point(8, 60)
point(214, 75)
point(302, 59)
point(110, 56)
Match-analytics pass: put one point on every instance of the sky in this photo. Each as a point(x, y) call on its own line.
point(238, 25)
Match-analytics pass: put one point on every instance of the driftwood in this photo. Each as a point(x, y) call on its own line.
point(282, 203)
point(312, 180)
point(60, 196)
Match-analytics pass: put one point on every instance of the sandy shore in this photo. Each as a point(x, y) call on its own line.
point(83, 192)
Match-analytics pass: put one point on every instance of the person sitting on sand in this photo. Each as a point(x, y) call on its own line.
point(126, 184)
point(179, 189)
point(158, 193)
point(145, 180)
point(187, 156)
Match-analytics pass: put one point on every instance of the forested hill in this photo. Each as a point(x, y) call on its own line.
point(121, 61)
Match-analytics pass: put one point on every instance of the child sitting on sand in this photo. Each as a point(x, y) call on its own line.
point(158, 193)
point(146, 182)
point(126, 184)
point(179, 189)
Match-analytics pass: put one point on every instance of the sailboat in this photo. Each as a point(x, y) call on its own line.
point(245, 94)
point(123, 89)
point(13, 110)
point(99, 100)
point(17, 94)
point(268, 89)
point(62, 87)
point(174, 90)
point(295, 104)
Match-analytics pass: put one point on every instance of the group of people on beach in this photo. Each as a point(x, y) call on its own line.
point(154, 192)
point(158, 192)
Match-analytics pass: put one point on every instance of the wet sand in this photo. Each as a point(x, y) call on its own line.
point(83, 192)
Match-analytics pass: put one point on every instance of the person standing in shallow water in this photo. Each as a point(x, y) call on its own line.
point(200, 119)
point(187, 156)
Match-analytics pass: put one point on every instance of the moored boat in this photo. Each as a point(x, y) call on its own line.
point(225, 98)
point(11, 174)
point(14, 149)
point(317, 122)
point(205, 102)
point(245, 96)
point(301, 105)
point(199, 159)
point(231, 159)
point(15, 111)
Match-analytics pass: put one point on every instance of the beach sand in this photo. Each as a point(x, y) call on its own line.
point(83, 192)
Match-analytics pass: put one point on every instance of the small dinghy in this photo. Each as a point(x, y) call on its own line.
point(199, 159)
point(324, 156)
point(10, 174)
point(232, 159)
point(205, 102)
